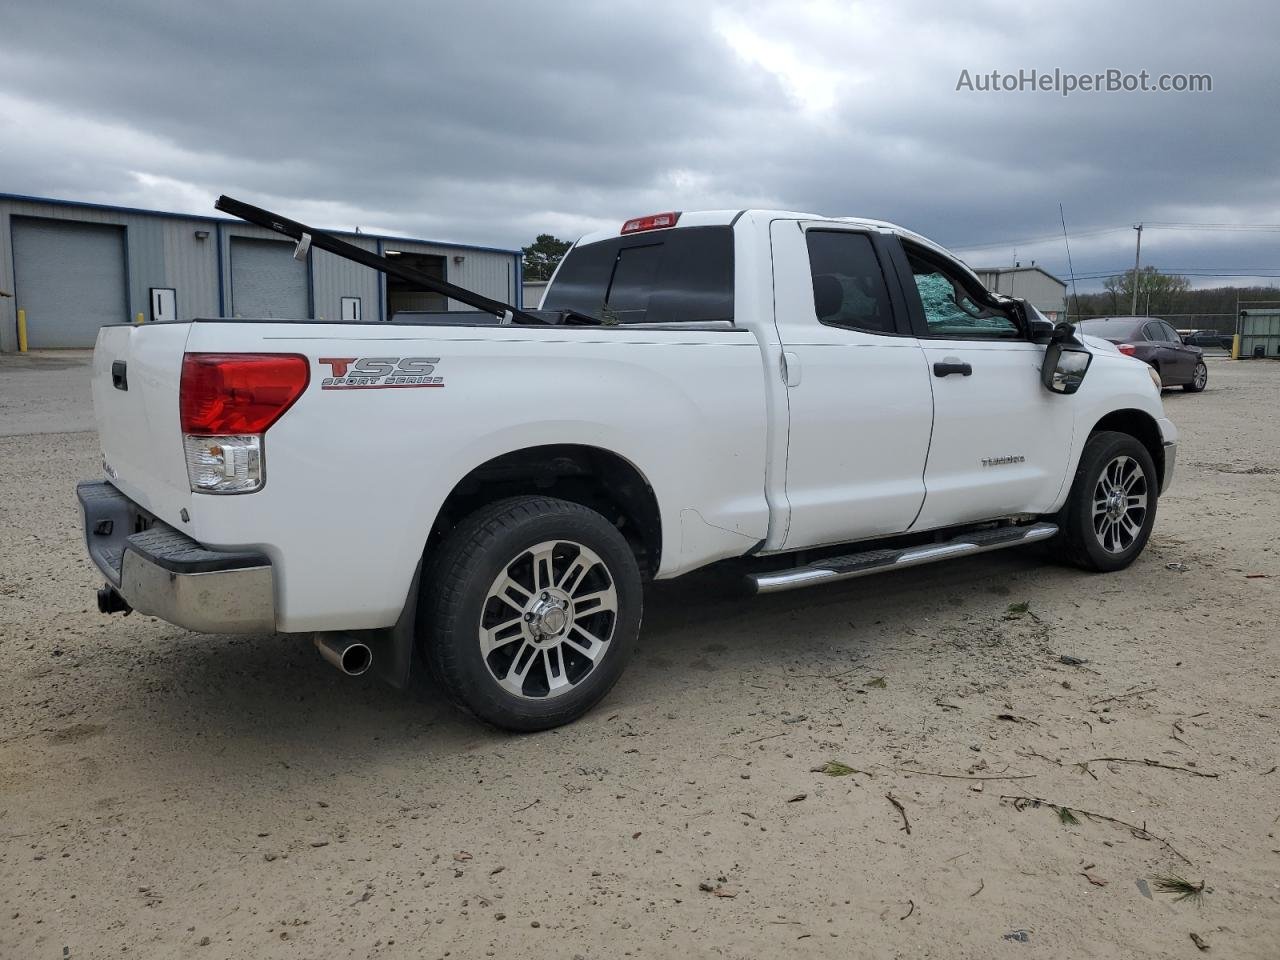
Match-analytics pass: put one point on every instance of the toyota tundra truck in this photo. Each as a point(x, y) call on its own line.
point(486, 493)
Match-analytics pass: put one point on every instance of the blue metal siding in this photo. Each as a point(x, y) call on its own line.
point(163, 250)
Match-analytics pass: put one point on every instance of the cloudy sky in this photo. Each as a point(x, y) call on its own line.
point(491, 122)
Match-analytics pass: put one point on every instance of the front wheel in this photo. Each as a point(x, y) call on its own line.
point(1198, 379)
point(531, 611)
point(1111, 508)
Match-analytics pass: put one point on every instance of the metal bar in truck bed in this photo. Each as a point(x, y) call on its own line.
point(325, 241)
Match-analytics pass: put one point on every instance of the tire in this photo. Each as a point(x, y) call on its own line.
point(492, 635)
point(1113, 540)
point(1198, 379)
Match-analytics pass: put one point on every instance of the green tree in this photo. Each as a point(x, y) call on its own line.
point(1157, 292)
point(543, 256)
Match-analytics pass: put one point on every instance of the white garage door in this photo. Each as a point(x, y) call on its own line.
point(266, 282)
point(69, 278)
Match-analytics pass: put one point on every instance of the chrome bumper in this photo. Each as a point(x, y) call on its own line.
point(164, 573)
point(1170, 458)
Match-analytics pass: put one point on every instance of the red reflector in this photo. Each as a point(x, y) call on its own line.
point(1128, 349)
point(656, 221)
point(226, 393)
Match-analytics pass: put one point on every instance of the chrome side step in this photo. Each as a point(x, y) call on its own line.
point(878, 561)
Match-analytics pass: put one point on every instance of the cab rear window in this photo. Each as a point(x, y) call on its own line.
point(672, 276)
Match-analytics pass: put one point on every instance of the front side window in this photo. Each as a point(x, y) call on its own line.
point(950, 310)
point(848, 284)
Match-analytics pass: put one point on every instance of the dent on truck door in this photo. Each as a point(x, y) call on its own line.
point(858, 391)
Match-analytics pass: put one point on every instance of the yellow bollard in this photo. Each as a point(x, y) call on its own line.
point(1235, 347)
point(138, 319)
point(22, 331)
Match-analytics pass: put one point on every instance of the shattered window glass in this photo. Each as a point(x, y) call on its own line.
point(949, 311)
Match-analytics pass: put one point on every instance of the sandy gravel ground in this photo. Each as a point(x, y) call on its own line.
point(164, 794)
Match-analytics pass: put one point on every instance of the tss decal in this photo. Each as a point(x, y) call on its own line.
point(380, 373)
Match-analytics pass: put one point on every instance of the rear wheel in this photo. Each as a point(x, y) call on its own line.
point(1109, 513)
point(1198, 379)
point(531, 611)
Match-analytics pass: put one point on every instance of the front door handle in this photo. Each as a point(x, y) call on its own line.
point(944, 368)
point(120, 375)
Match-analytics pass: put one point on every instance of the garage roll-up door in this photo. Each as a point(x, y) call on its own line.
point(266, 282)
point(69, 278)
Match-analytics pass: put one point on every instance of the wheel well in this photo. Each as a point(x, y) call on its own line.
point(1140, 425)
point(595, 478)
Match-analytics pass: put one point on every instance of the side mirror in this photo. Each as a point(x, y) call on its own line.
point(1065, 364)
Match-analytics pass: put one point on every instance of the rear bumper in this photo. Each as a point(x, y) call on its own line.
point(164, 573)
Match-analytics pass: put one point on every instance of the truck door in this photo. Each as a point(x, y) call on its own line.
point(1001, 442)
point(858, 394)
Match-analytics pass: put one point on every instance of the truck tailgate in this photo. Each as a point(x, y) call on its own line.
point(136, 374)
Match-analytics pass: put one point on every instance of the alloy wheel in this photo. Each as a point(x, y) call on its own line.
point(1119, 504)
point(548, 619)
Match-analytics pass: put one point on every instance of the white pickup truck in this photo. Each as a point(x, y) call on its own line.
point(486, 493)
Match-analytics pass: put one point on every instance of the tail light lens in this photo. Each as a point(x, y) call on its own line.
point(239, 392)
point(1128, 349)
point(227, 401)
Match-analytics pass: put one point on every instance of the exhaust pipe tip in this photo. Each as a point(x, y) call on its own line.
point(110, 601)
point(350, 656)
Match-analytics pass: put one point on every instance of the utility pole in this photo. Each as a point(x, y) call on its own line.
point(1137, 260)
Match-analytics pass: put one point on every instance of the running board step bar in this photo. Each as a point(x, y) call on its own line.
point(878, 561)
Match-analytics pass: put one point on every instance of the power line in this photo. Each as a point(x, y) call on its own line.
point(1174, 225)
point(1032, 241)
point(1120, 273)
point(1101, 231)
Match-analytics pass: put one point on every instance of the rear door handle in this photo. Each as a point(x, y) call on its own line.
point(120, 375)
point(944, 368)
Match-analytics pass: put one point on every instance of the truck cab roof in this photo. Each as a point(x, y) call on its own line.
point(725, 218)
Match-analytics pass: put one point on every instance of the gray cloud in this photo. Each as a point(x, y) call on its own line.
point(491, 122)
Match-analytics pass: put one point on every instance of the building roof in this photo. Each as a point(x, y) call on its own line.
point(22, 198)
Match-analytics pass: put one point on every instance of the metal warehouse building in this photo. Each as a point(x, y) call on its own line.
point(1042, 288)
point(73, 267)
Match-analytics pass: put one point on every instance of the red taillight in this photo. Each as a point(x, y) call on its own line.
point(1128, 349)
point(656, 221)
point(239, 393)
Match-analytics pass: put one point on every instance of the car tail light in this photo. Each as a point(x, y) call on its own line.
point(656, 221)
point(1128, 349)
point(227, 401)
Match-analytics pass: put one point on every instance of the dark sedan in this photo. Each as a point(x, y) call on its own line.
point(1208, 338)
point(1153, 340)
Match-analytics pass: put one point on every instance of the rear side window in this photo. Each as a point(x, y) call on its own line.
point(672, 276)
point(1118, 328)
point(848, 284)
